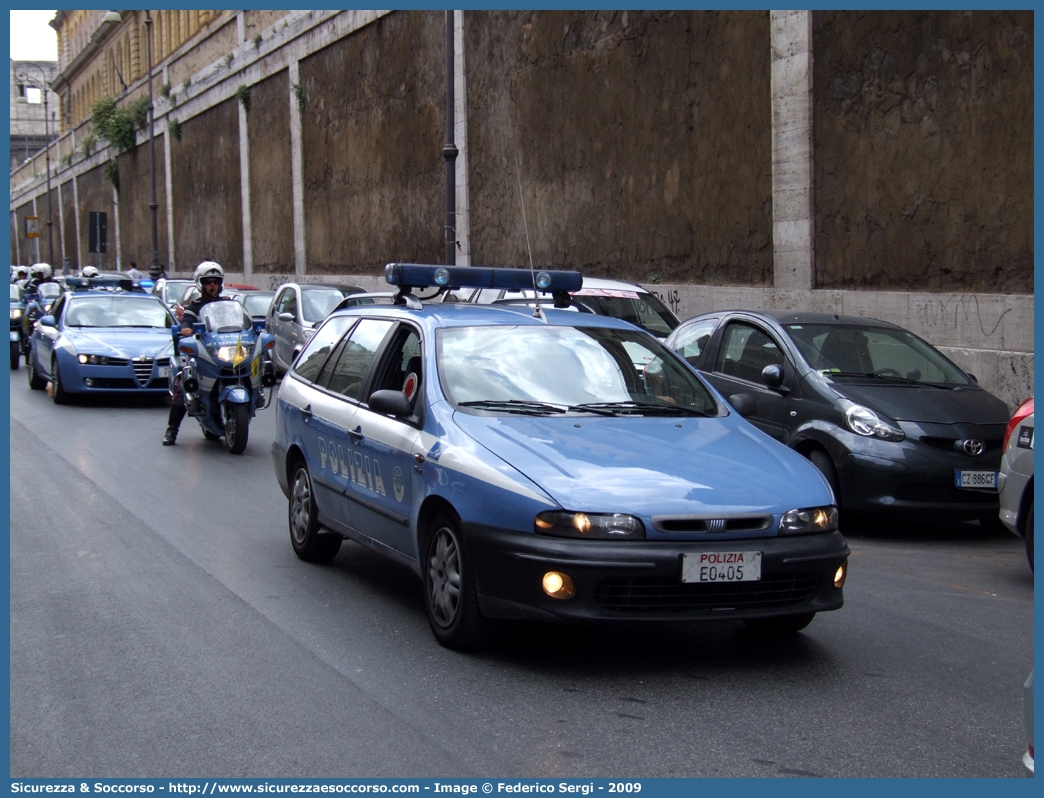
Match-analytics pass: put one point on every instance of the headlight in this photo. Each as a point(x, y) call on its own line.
point(808, 521)
point(589, 526)
point(224, 353)
point(864, 421)
point(94, 360)
point(16, 313)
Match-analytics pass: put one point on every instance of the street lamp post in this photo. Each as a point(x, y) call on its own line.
point(154, 268)
point(24, 77)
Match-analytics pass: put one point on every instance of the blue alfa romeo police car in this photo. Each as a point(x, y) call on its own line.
point(539, 463)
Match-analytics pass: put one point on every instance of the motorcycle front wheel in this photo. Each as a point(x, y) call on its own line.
point(237, 427)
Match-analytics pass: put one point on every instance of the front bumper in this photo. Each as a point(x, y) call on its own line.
point(78, 378)
point(909, 477)
point(642, 579)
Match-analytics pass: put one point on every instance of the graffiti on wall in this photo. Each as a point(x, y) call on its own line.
point(957, 312)
point(670, 298)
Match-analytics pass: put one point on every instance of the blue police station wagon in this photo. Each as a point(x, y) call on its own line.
point(544, 463)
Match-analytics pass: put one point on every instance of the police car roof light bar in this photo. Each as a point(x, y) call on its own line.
point(86, 283)
point(406, 276)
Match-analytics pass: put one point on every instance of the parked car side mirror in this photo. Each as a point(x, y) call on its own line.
point(973, 377)
point(47, 321)
point(390, 403)
point(772, 376)
point(286, 316)
point(744, 404)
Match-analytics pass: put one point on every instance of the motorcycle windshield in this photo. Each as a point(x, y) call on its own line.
point(223, 317)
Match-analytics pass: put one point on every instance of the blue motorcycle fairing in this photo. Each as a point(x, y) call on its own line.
point(652, 465)
point(236, 394)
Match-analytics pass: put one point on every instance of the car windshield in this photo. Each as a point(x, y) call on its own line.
point(49, 290)
point(545, 369)
point(256, 302)
point(16, 293)
point(318, 303)
point(221, 317)
point(173, 289)
point(118, 310)
point(842, 351)
point(638, 307)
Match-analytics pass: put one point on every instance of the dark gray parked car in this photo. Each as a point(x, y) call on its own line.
point(890, 422)
point(298, 308)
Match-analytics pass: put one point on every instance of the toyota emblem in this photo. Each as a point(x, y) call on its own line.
point(974, 448)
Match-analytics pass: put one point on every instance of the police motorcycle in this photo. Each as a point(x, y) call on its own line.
point(224, 371)
point(38, 304)
point(17, 313)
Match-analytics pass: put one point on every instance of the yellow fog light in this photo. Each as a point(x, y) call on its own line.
point(842, 572)
point(558, 585)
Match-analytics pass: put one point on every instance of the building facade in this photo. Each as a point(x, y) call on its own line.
point(33, 121)
point(873, 163)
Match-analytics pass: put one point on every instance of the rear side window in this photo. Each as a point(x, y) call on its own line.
point(692, 340)
point(318, 349)
point(355, 357)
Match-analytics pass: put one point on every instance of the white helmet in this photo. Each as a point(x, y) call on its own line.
point(208, 268)
point(88, 271)
point(41, 270)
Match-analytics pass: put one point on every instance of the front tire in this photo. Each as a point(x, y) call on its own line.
point(237, 428)
point(450, 592)
point(36, 382)
point(779, 627)
point(15, 356)
point(303, 517)
point(58, 392)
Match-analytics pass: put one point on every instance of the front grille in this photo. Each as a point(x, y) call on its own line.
point(940, 494)
point(950, 444)
point(651, 595)
point(692, 523)
point(110, 384)
point(143, 369)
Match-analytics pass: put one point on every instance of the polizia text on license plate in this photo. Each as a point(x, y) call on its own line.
point(722, 566)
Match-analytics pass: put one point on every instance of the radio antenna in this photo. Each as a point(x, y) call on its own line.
point(525, 224)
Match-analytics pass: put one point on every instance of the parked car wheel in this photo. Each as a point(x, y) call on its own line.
point(15, 355)
point(36, 382)
point(822, 461)
point(783, 625)
point(451, 596)
point(308, 543)
point(58, 392)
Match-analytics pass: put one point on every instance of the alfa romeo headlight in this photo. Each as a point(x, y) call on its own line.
point(94, 360)
point(589, 526)
point(808, 521)
point(864, 421)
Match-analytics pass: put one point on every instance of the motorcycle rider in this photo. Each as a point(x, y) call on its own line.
point(38, 273)
point(210, 279)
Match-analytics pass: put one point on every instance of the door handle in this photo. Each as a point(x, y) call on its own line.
point(418, 460)
point(306, 411)
point(356, 434)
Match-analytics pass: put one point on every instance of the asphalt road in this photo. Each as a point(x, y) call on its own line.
point(161, 626)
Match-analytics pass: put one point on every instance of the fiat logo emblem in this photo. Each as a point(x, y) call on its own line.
point(716, 525)
point(974, 448)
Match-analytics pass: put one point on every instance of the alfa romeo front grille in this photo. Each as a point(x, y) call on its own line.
point(143, 369)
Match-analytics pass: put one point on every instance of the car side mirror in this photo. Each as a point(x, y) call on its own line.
point(390, 403)
point(286, 316)
point(744, 404)
point(47, 321)
point(973, 377)
point(772, 376)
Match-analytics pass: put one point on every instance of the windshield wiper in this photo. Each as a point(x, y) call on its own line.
point(637, 408)
point(513, 406)
point(894, 378)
